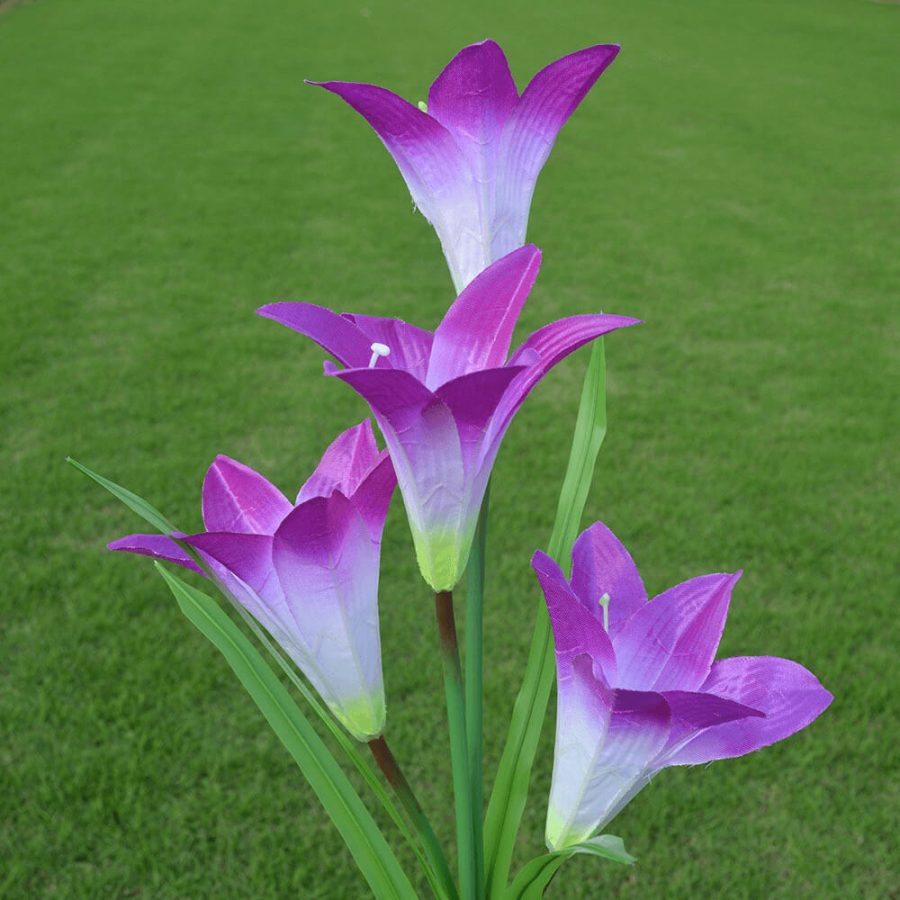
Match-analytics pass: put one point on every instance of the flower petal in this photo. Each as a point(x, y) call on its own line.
point(433, 167)
point(670, 642)
point(543, 349)
point(238, 499)
point(346, 462)
point(530, 132)
point(423, 440)
point(695, 711)
point(477, 329)
point(373, 496)
point(333, 333)
point(606, 742)
point(601, 565)
point(159, 546)
point(789, 695)
point(410, 346)
point(575, 629)
point(472, 98)
point(327, 567)
point(247, 556)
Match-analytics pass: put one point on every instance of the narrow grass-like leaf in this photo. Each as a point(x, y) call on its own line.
point(137, 504)
point(535, 876)
point(510, 791)
point(374, 857)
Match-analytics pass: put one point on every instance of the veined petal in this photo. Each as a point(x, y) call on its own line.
point(159, 546)
point(238, 499)
point(432, 165)
point(789, 696)
point(477, 329)
point(695, 711)
point(346, 462)
point(601, 565)
point(373, 496)
point(423, 440)
point(248, 556)
point(472, 98)
point(333, 333)
point(530, 132)
point(543, 350)
point(669, 644)
point(575, 630)
point(410, 345)
point(327, 567)
point(606, 742)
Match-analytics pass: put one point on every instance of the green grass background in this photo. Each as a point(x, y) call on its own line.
point(732, 180)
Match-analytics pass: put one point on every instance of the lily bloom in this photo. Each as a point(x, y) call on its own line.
point(307, 572)
point(471, 156)
point(445, 400)
point(639, 687)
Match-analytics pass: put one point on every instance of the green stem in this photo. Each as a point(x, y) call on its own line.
point(388, 764)
point(474, 677)
point(456, 719)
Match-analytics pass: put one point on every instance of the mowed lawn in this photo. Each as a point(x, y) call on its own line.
point(163, 171)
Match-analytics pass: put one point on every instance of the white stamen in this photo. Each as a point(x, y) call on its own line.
point(423, 106)
point(378, 350)
point(604, 602)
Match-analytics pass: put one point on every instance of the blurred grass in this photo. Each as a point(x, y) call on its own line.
point(731, 180)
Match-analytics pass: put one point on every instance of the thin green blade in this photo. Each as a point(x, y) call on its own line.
point(510, 791)
point(137, 504)
point(374, 857)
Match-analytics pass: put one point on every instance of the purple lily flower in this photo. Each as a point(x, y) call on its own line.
point(445, 400)
point(472, 155)
point(639, 687)
point(308, 573)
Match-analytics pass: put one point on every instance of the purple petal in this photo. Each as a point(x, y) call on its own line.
point(789, 695)
point(601, 565)
point(575, 630)
point(373, 496)
point(327, 567)
point(473, 97)
point(238, 499)
point(159, 546)
point(544, 349)
point(473, 399)
point(477, 329)
point(424, 443)
point(426, 154)
point(693, 712)
point(531, 129)
point(410, 345)
point(347, 461)
point(670, 643)
point(333, 333)
point(247, 556)
point(606, 742)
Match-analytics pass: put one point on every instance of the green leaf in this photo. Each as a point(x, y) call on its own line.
point(374, 857)
point(137, 504)
point(510, 791)
point(535, 876)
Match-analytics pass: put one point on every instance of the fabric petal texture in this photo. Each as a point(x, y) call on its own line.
point(444, 401)
point(471, 158)
point(638, 686)
point(307, 572)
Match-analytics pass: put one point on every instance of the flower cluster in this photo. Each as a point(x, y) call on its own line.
point(638, 685)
